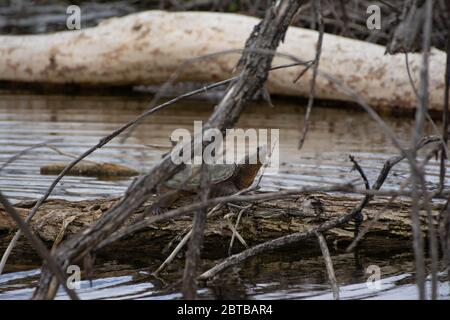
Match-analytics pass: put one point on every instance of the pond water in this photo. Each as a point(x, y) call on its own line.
point(81, 120)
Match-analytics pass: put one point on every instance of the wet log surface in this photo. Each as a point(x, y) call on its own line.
point(58, 219)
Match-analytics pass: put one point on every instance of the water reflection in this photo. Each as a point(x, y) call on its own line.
point(273, 276)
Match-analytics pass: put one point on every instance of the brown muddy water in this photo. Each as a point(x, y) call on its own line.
point(295, 273)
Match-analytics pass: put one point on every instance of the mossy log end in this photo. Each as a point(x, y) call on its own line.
point(264, 221)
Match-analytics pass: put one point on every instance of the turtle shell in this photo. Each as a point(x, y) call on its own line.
point(217, 174)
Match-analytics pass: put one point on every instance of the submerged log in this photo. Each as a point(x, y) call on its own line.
point(90, 169)
point(147, 47)
point(264, 221)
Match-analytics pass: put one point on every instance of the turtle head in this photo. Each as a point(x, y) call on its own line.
point(248, 168)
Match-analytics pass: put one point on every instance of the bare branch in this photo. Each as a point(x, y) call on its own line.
point(417, 175)
point(196, 239)
point(235, 227)
point(328, 265)
point(38, 246)
point(388, 165)
point(318, 12)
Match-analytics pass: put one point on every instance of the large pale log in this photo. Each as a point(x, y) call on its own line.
point(145, 48)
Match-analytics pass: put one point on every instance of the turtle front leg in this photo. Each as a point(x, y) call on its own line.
point(227, 189)
point(163, 204)
point(224, 189)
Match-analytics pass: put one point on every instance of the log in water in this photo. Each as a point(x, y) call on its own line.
point(147, 47)
point(264, 221)
point(90, 169)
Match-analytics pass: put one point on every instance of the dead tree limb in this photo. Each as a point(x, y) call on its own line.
point(196, 240)
point(358, 218)
point(416, 174)
point(388, 165)
point(235, 228)
point(25, 151)
point(328, 265)
point(444, 225)
point(433, 124)
point(444, 155)
point(318, 12)
point(405, 37)
point(252, 77)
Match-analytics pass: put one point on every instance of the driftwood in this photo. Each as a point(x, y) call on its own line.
point(266, 220)
point(146, 48)
point(90, 169)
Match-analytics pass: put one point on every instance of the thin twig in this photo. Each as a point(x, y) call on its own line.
point(318, 12)
point(411, 80)
point(71, 155)
point(234, 229)
point(433, 124)
point(359, 218)
point(388, 165)
point(444, 154)
point(196, 239)
point(445, 214)
point(358, 168)
point(237, 235)
point(303, 72)
point(397, 10)
point(174, 253)
point(415, 174)
point(25, 151)
point(38, 246)
point(328, 265)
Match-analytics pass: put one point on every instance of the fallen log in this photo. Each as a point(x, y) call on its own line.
point(147, 47)
point(90, 169)
point(266, 220)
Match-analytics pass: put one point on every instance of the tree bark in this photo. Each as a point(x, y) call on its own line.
point(61, 219)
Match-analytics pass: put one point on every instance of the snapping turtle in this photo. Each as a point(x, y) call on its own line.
point(225, 179)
